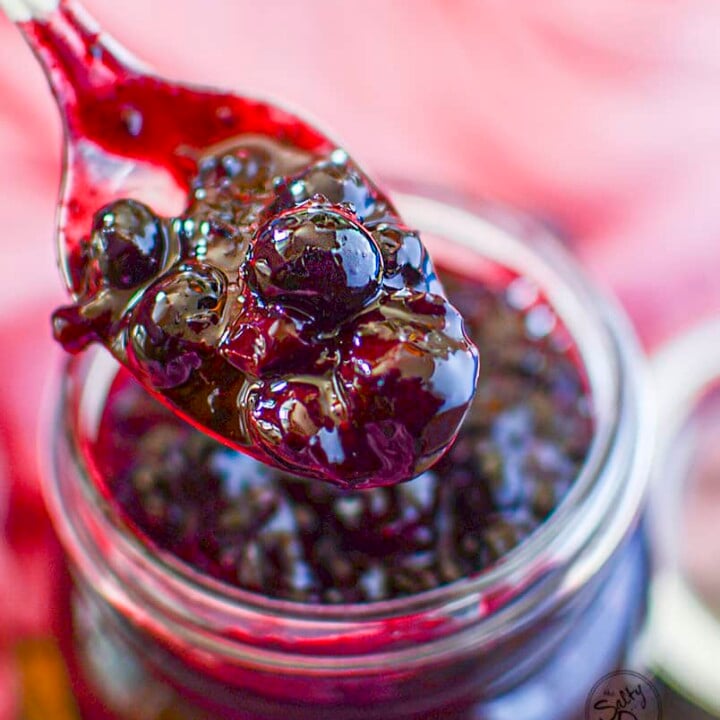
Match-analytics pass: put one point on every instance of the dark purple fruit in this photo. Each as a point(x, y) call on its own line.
point(409, 361)
point(178, 320)
point(128, 243)
point(407, 263)
point(339, 182)
point(246, 167)
point(316, 260)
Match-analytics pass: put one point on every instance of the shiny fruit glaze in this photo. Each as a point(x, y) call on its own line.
point(289, 311)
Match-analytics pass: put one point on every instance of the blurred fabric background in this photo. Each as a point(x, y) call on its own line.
point(601, 117)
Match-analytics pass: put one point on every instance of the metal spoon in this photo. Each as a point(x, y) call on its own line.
point(131, 134)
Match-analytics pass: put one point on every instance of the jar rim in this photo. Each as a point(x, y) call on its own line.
point(554, 561)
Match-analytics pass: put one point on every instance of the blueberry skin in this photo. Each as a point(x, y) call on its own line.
point(176, 324)
point(318, 260)
point(129, 244)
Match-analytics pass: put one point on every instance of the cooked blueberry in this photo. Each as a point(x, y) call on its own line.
point(247, 166)
point(407, 263)
point(179, 319)
point(316, 260)
point(339, 182)
point(128, 242)
point(288, 415)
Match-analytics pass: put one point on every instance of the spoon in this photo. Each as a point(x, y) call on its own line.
point(364, 372)
point(129, 133)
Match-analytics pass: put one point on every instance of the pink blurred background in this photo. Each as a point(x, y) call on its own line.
point(601, 116)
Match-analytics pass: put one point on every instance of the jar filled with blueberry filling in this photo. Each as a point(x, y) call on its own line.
point(502, 582)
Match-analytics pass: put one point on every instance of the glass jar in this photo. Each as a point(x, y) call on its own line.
point(682, 642)
point(151, 638)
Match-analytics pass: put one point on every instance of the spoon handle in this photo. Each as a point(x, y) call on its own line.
point(20, 11)
point(84, 68)
point(79, 59)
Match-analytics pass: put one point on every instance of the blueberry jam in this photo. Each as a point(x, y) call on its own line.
point(289, 312)
point(256, 527)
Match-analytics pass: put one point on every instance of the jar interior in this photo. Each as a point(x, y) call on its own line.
point(517, 273)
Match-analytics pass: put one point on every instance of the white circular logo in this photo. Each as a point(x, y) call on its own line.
point(623, 695)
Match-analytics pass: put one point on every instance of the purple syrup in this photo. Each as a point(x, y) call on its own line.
point(258, 528)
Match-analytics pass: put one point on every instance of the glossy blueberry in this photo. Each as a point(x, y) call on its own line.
point(317, 260)
point(177, 322)
point(337, 181)
point(407, 263)
point(128, 243)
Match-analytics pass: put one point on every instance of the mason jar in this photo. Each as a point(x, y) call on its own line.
point(149, 638)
